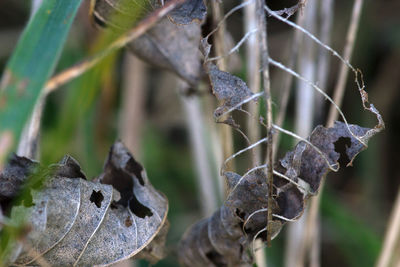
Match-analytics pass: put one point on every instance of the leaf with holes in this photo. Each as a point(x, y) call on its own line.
point(225, 238)
point(75, 222)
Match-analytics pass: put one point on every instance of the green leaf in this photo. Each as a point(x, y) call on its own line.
point(30, 66)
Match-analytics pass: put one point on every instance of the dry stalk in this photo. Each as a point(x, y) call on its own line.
point(312, 219)
point(132, 110)
point(287, 83)
point(392, 237)
point(262, 25)
point(253, 81)
point(252, 74)
point(208, 197)
point(219, 37)
point(311, 240)
point(295, 250)
point(80, 68)
point(28, 141)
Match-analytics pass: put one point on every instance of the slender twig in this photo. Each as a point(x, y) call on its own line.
point(208, 198)
point(80, 68)
point(262, 22)
point(252, 74)
point(392, 236)
point(348, 50)
point(304, 119)
point(219, 42)
point(133, 98)
point(311, 241)
point(312, 220)
point(287, 83)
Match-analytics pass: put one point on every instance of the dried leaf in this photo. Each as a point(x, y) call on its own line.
point(229, 89)
point(167, 45)
point(84, 223)
point(225, 238)
point(191, 10)
point(172, 47)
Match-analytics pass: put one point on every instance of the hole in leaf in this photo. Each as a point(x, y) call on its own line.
point(216, 258)
point(240, 214)
point(134, 167)
point(97, 198)
point(113, 205)
point(340, 146)
point(138, 208)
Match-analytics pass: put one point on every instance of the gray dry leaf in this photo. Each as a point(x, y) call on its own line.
point(229, 89)
point(172, 47)
point(225, 238)
point(172, 44)
point(189, 11)
point(75, 222)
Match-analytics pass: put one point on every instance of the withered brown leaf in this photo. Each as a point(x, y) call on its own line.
point(225, 238)
point(86, 223)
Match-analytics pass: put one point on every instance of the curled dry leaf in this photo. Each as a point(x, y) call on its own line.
point(172, 44)
point(75, 222)
point(225, 238)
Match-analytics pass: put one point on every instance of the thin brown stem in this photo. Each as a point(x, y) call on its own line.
point(312, 220)
point(219, 42)
point(253, 77)
point(344, 70)
point(392, 236)
point(262, 25)
point(287, 83)
point(80, 68)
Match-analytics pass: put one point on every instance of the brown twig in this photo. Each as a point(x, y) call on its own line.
point(304, 119)
point(198, 139)
point(333, 114)
point(252, 74)
point(253, 81)
point(344, 70)
point(287, 83)
point(262, 25)
point(219, 42)
point(392, 236)
point(80, 68)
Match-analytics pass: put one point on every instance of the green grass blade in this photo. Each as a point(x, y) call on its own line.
point(30, 66)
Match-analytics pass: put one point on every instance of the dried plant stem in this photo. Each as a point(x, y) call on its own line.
point(262, 25)
point(28, 143)
point(304, 118)
point(208, 195)
point(252, 74)
point(287, 83)
point(134, 83)
point(312, 219)
point(253, 81)
point(311, 240)
point(219, 42)
point(392, 237)
point(344, 70)
point(80, 68)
